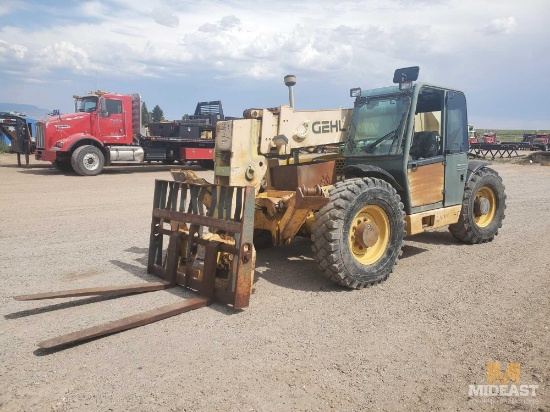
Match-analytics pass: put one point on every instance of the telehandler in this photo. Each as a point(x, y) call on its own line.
point(356, 180)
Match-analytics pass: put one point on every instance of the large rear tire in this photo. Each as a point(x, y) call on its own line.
point(358, 236)
point(483, 207)
point(87, 160)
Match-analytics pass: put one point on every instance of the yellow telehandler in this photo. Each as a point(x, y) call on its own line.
point(356, 180)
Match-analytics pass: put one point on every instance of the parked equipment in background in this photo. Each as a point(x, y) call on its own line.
point(540, 141)
point(472, 134)
point(355, 180)
point(508, 149)
point(106, 129)
point(19, 132)
point(487, 137)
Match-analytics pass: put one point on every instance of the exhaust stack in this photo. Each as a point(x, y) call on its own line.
point(290, 81)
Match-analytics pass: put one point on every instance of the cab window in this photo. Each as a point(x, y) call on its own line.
point(427, 140)
point(457, 123)
point(113, 106)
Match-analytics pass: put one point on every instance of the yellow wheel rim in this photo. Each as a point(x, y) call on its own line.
point(486, 193)
point(369, 234)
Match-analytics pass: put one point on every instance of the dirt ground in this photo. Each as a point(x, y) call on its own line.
point(415, 342)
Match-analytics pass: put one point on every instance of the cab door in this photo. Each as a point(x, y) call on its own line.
point(456, 147)
point(111, 121)
point(425, 167)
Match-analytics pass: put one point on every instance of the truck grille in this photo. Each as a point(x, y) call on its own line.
point(40, 138)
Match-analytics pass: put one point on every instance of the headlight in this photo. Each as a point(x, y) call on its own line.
point(59, 144)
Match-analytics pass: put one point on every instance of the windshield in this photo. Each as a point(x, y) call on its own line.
point(86, 104)
point(377, 125)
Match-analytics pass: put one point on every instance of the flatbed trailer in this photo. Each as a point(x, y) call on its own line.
point(500, 150)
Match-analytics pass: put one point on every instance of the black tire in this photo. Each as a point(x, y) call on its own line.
point(262, 239)
point(169, 161)
point(207, 164)
point(475, 226)
point(332, 232)
point(87, 161)
point(64, 167)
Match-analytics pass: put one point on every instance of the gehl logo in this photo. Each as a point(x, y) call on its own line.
point(327, 126)
point(499, 384)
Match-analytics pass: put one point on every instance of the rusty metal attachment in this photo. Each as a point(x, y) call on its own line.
point(289, 177)
point(209, 250)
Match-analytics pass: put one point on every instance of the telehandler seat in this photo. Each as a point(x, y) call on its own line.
point(424, 145)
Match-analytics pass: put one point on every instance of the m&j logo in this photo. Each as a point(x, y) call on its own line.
point(503, 384)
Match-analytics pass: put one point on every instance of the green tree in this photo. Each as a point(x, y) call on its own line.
point(157, 115)
point(145, 115)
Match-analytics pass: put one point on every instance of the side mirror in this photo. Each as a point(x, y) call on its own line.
point(103, 108)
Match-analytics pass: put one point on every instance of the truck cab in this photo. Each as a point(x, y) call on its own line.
point(100, 119)
point(541, 141)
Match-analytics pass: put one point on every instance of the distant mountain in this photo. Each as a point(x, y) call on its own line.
point(32, 112)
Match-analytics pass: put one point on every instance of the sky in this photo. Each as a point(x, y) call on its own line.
point(178, 52)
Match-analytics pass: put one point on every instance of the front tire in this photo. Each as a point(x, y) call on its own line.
point(483, 207)
point(87, 160)
point(358, 236)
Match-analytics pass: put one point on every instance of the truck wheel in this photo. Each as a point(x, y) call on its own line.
point(64, 167)
point(483, 208)
point(358, 236)
point(87, 160)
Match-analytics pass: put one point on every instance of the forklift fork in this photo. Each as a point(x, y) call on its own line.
point(219, 265)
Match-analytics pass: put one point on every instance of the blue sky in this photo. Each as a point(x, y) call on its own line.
point(175, 53)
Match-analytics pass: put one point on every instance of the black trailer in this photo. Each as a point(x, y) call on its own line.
point(19, 132)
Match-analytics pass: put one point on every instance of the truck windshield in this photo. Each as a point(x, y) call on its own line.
point(377, 125)
point(86, 104)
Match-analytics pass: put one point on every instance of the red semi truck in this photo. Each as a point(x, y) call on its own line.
point(106, 129)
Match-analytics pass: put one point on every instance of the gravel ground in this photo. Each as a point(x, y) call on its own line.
point(415, 342)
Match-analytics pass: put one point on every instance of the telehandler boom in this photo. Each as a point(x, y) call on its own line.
point(356, 180)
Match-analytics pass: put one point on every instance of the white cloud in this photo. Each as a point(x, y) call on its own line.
point(260, 71)
point(94, 9)
point(11, 51)
point(227, 23)
point(7, 6)
point(496, 26)
point(165, 17)
point(64, 55)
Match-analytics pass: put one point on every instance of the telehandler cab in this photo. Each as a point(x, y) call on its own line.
point(356, 181)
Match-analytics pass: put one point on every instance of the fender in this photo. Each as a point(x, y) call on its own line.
point(371, 171)
point(474, 166)
point(70, 142)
